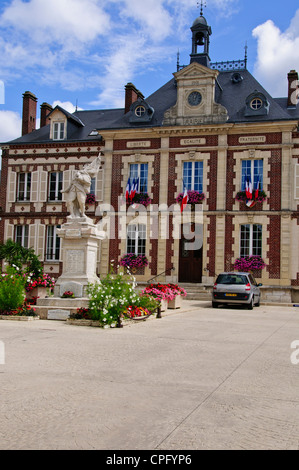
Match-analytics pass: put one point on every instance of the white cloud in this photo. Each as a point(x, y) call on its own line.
point(93, 44)
point(151, 15)
point(10, 126)
point(67, 105)
point(67, 22)
point(277, 54)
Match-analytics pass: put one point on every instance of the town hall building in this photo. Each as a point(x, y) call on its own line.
point(212, 130)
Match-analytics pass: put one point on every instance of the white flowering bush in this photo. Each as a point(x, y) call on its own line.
point(109, 298)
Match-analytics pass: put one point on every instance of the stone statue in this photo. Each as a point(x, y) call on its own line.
point(80, 186)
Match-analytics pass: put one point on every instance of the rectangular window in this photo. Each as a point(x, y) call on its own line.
point(93, 186)
point(55, 186)
point(21, 235)
point(140, 171)
point(251, 240)
point(136, 239)
point(297, 182)
point(252, 170)
point(58, 130)
point(193, 176)
point(53, 243)
point(24, 187)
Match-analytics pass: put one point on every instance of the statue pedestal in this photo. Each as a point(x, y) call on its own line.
point(80, 244)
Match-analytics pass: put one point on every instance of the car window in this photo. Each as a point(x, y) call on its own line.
point(237, 279)
point(252, 280)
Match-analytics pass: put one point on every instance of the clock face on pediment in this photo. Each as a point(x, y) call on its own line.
point(194, 98)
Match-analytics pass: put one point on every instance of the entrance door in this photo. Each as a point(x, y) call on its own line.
point(190, 263)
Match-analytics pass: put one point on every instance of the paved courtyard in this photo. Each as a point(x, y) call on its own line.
point(197, 378)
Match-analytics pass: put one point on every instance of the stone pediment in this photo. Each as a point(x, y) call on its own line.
point(195, 70)
point(195, 98)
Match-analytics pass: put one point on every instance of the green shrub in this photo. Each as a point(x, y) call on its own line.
point(109, 297)
point(12, 289)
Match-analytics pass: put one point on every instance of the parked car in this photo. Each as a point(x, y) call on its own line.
point(236, 288)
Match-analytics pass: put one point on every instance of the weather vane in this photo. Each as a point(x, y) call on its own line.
point(202, 4)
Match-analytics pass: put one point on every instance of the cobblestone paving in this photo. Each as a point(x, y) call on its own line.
point(196, 379)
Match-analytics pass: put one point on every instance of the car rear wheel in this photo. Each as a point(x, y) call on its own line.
point(214, 304)
point(250, 306)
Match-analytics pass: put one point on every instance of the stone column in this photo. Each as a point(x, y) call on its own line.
point(79, 256)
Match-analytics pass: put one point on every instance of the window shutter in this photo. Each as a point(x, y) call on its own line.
point(32, 235)
point(100, 186)
point(43, 188)
point(12, 186)
point(67, 175)
point(297, 181)
point(34, 195)
point(9, 232)
point(41, 241)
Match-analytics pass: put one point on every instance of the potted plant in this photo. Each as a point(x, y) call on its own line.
point(178, 293)
point(140, 198)
point(194, 197)
point(40, 286)
point(132, 262)
point(258, 196)
point(68, 295)
point(250, 263)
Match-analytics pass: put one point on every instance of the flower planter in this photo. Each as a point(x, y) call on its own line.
point(40, 292)
point(18, 317)
point(164, 305)
point(175, 303)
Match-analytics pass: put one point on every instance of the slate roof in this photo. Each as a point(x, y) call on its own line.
point(231, 95)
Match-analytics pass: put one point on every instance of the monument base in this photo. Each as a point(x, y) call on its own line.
point(80, 244)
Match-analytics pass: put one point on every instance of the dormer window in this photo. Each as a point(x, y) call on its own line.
point(140, 111)
point(58, 130)
point(257, 105)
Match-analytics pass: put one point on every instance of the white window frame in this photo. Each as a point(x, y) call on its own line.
point(27, 187)
point(252, 250)
point(23, 236)
point(52, 243)
point(187, 184)
point(252, 162)
point(59, 130)
point(58, 186)
point(138, 175)
point(136, 234)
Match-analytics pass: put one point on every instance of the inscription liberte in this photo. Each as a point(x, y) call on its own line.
point(141, 143)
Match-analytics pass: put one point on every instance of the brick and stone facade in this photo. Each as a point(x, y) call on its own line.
point(214, 133)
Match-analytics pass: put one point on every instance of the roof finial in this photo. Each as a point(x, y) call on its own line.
point(202, 4)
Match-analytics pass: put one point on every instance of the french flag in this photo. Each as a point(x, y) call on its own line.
point(249, 189)
point(128, 189)
point(134, 188)
point(185, 199)
point(257, 189)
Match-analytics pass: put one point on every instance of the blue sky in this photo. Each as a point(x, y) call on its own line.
point(85, 51)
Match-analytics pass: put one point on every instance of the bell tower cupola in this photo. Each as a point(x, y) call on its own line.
point(201, 33)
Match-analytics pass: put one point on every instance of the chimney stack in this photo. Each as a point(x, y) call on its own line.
point(132, 95)
point(29, 113)
point(293, 89)
point(45, 110)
